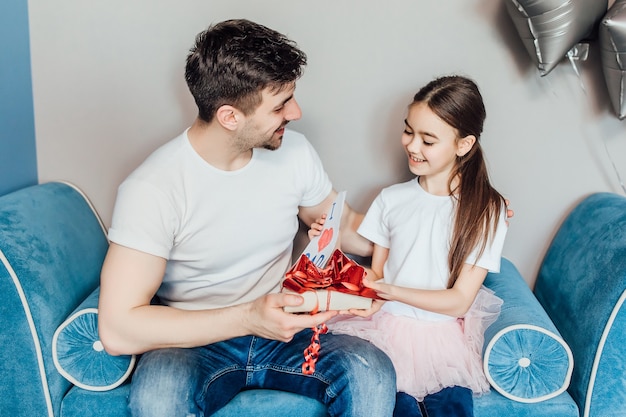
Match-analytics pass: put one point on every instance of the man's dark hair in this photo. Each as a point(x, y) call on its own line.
point(233, 61)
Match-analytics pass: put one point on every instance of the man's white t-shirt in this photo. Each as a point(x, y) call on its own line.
point(416, 228)
point(227, 236)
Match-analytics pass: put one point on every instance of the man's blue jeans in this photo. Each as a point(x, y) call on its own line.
point(352, 377)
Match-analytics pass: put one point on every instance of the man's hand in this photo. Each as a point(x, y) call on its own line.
point(266, 318)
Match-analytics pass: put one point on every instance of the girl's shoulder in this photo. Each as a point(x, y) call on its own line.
point(402, 187)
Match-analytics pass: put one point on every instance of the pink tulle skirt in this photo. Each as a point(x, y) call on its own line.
point(430, 356)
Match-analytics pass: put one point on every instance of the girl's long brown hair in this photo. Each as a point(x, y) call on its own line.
point(458, 102)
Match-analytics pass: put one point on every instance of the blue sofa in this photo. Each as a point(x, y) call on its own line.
point(557, 351)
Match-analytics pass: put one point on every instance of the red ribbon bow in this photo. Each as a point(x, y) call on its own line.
point(340, 274)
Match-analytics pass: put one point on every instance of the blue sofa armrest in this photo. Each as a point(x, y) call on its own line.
point(52, 245)
point(582, 286)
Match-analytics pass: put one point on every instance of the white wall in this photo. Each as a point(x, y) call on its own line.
point(108, 89)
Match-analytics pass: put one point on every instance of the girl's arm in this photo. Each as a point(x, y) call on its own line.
point(379, 257)
point(454, 301)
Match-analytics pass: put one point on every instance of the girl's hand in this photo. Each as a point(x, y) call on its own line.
point(376, 305)
point(370, 275)
point(316, 227)
point(382, 290)
point(373, 281)
point(509, 212)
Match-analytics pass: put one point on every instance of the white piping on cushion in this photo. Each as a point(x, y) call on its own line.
point(33, 331)
point(71, 378)
point(596, 360)
point(570, 367)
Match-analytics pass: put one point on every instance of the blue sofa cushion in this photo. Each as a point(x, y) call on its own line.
point(79, 355)
point(82, 403)
point(525, 358)
point(492, 404)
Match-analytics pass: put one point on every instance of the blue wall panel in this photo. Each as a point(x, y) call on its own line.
point(18, 157)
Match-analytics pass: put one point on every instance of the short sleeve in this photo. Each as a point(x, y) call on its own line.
point(143, 219)
point(373, 227)
point(316, 180)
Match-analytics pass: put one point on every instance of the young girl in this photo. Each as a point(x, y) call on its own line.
point(435, 238)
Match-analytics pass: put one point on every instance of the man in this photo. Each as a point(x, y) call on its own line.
point(206, 223)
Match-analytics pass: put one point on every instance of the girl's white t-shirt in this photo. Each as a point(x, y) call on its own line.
point(416, 228)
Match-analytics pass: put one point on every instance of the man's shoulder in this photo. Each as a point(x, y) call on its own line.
point(294, 145)
point(169, 149)
point(163, 158)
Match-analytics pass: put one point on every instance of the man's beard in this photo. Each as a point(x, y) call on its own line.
point(273, 144)
point(247, 140)
point(270, 145)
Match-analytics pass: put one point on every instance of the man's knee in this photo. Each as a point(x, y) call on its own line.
point(367, 359)
point(164, 384)
point(366, 368)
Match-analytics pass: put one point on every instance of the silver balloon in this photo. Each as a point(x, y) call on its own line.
point(550, 28)
point(612, 36)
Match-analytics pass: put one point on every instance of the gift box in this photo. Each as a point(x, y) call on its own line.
point(324, 276)
point(337, 286)
point(327, 280)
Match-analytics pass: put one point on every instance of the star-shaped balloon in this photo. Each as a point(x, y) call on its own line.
point(550, 28)
point(612, 35)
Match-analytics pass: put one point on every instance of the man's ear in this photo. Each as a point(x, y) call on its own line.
point(228, 116)
point(464, 145)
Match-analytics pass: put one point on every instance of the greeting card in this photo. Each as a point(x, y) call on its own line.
point(324, 276)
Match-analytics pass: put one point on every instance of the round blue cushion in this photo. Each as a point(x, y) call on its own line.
point(79, 356)
point(525, 358)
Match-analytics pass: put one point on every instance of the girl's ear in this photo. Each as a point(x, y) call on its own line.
point(228, 116)
point(464, 145)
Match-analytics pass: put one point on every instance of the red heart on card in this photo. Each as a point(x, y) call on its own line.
point(325, 239)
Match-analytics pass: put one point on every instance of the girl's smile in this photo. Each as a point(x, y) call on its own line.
point(430, 143)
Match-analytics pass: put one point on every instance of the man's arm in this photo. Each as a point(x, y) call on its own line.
point(349, 241)
point(128, 324)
